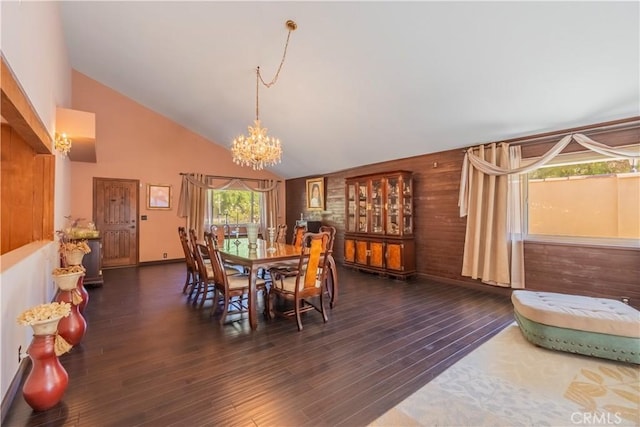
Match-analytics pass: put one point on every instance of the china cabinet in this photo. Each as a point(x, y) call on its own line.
point(379, 223)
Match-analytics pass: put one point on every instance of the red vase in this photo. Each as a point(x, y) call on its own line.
point(72, 327)
point(46, 383)
point(84, 294)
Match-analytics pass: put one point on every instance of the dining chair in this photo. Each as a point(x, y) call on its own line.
point(298, 232)
point(219, 233)
point(305, 282)
point(281, 233)
point(332, 272)
point(190, 263)
point(229, 269)
point(205, 286)
point(232, 289)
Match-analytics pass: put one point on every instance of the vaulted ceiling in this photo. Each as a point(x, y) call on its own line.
point(365, 82)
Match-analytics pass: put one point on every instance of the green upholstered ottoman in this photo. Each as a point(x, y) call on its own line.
point(597, 327)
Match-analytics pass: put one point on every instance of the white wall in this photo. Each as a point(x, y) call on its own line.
point(32, 44)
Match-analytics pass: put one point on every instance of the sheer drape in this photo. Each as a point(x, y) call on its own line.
point(491, 198)
point(193, 195)
point(515, 220)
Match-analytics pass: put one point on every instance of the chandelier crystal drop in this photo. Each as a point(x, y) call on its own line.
point(257, 149)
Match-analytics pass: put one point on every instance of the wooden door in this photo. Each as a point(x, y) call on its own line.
point(115, 212)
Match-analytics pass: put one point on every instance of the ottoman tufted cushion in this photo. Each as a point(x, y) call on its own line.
point(578, 324)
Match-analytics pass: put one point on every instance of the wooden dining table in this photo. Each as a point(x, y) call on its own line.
point(254, 259)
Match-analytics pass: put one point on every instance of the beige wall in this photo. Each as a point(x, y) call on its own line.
point(133, 142)
point(607, 206)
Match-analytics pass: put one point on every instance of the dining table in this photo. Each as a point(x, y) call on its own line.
point(262, 256)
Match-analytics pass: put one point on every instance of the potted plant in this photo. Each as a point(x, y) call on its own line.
point(72, 250)
point(47, 381)
point(68, 280)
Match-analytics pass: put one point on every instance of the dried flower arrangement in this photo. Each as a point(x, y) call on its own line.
point(79, 244)
point(58, 271)
point(68, 244)
point(43, 312)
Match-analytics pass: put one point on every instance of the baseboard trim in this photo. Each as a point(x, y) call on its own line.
point(14, 387)
point(162, 261)
point(469, 284)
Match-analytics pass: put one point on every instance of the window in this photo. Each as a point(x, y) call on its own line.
point(232, 207)
point(585, 196)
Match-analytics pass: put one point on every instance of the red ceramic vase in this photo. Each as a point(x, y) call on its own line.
point(84, 294)
point(72, 327)
point(46, 383)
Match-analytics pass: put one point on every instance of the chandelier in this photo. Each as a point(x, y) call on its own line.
point(257, 149)
point(62, 143)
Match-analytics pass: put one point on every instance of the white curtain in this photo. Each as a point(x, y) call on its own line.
point(515, 220)
point(493, 250)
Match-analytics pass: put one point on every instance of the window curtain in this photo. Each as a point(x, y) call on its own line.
point(269, 209)
point(191, 203)
point(193, 195)
point(491, 199)
point(485, 252)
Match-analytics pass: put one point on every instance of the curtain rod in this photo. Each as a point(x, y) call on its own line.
point(228, 177)
point(622, 124)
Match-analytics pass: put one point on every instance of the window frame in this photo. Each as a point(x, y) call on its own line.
point(585, 156)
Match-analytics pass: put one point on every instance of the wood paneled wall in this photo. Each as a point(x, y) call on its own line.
point(440, 231)
point(27, 192)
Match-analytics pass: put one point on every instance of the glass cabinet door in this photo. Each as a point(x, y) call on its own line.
point(393, 206)
point(407, 207)
point(351, 207)
point(377, 224)
point(363, 202)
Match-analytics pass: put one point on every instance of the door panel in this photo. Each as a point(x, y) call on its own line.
point(349, 250)
point(115, 211)
point(376, 259)
point(394, 256)
point(362, 253)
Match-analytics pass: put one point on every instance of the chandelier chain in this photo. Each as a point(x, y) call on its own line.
point(284, 55)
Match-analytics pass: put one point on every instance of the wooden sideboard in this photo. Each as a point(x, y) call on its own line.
point(93, 263)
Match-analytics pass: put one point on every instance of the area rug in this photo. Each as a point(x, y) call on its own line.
point(508, 381)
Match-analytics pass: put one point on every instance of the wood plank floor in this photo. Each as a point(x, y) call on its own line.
point(149, 358)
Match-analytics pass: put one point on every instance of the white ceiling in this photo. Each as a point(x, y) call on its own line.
point(366, 82)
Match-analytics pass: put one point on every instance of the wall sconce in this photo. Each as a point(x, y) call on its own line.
point(63, 143)
point(79, 126)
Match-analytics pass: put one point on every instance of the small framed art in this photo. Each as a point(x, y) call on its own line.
point(158, 196)
point(315, 194)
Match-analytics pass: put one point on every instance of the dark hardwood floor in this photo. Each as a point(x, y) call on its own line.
point(149, 358)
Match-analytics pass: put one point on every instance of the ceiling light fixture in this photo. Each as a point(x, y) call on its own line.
point(62, 143)
point(257, 149)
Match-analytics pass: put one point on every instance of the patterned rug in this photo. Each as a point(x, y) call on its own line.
point(508, 381)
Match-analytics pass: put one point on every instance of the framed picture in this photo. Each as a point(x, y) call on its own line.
point(158, 196)
point(315, 194)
